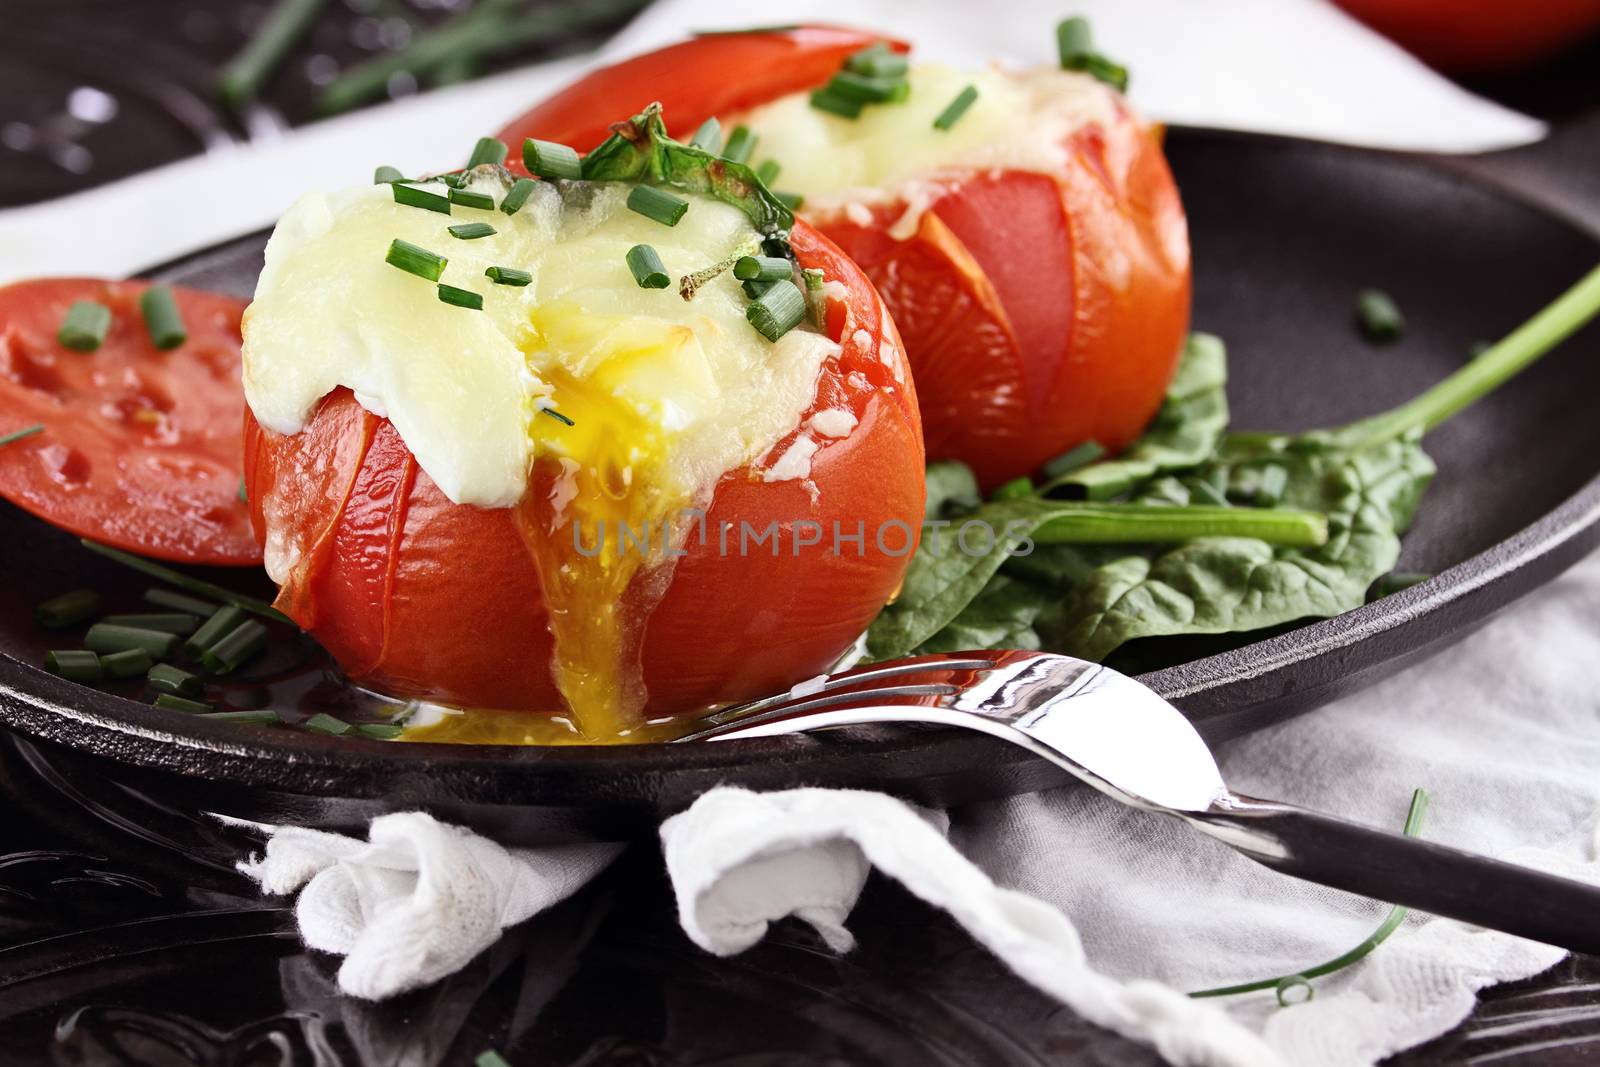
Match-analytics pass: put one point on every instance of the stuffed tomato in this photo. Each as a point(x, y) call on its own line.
point(1023, 228)
point(556, 458)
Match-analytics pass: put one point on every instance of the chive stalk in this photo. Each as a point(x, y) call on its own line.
point(415, 196)
point(518, 195)
point(165, 678)
point(708, 136)
point(166, 598)
point(84, 328)
point(956, 108)
point(221, 623)
point(109, 637)
point(1378, 316)
point(269, 46)
point(554, 414)
point(508, 276)
point(768, 171)
point(175, 703)
point(468, 198)
point(380, 731)
point(461, 298)
point(129, 663)
point(240, 643)
point(262, 717)
point(74, 665)
point(471, 231)
point(487, 150)
point(877, 61)
point(777, 310)
point(183, 581)
point(835, 103)
point(762, 268)
point(657, 204)
point(647, 268)
point(68, 609)
point(181, 623)
point(550, 160)
point(1161, 524)
point(387, 175)
point(18, 435)
point(741, 142)
point(161, 317)
point(323, 723)
point(414, 259)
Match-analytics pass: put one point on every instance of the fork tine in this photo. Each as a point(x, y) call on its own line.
point(784, 709)
point(830, 682)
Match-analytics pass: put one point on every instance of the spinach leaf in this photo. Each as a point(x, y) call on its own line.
point(1002, 615)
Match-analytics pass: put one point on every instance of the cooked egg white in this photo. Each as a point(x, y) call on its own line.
point(664, 395)
point(1019, 121)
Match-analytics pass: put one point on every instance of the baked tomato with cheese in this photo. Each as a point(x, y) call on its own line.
point(1032, 250)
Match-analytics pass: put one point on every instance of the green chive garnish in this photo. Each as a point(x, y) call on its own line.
point(165, 678)
point(768, 171)
point(956, 108)
point(708, 136)
point(762, 268)
point(521, 189)
point(792, 201)
point(753, 288)
point(1074, 42)
point(411, 196)
point(657, 204)
point(161, 317)
point(648, 270)
point(414, 259)
point(491, 1058)
point(778, 310)
point(172, 703)
point(127, 664)
point(181, 623)
point(836, 104)
point(877, 61)
point(323, 723)
point(264, 717)
point(380, 731)
point(1379, 316)
point(222, 622)
point(487, 150)
point(85, 326)
point(554, 414)
point(471, 231)
point(816, 299)
point(548, 159)
point(508, 276)
point(243, 493)
point(183, 581)
point(74, 665)
point(244, 641)
point(68, 609)
point(271, 43)
point(468, 198)
point(26, 431)
point(461, 298)
point(387, 175)
point(109, 637)
point(166, 598)
point(1070, 460)
point(741, 142)
point(865, 90)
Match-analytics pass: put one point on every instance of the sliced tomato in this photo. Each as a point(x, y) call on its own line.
point(140, 447)
point(714, 74)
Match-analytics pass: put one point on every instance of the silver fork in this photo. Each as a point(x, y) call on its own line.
point(1120, 737)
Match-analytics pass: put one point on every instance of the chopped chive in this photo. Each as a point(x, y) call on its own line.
point(244, 492)
point(768, 171)
point(166, 598)
point(816, 300)
point(411, 196)
point(387, 175)
point(68, 609)
point(461, 298)
point(269, 46)
point(1074, 42)
point(109, 637)
point(708, 136)
point(956, 108)
point(380, 731)
point(1378, 316)
point(183, 581)
point(877, 61)
point(647, 268)
point(548, 159)
point(74, 665)
point(244, 641)
point(468, 198)
point(741, 142)
point(161, 317)
point(222, 622)
point(181, 623)
point(85, 326)
point(471, 231)
point(867, 90)
point(754, 288)
point(836, 104)
point(1073, 458)
point(792, 201)
point(174, 703)
point(414, 259)
point(778, 310)
point(323, 723)
point(487, 150)
point(554, 414)
point(658, 204)
point(245, 718)
point(165, 678)
point(521, 189)
point(127, 664)
point(1108, 71)
point(453, 181)
point(508, 276)
point(762, 268)
point(26, 431)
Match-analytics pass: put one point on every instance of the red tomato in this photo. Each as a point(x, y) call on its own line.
point(1479, 36)
point(1039, 311)
point(421, 597)
point(141, 446)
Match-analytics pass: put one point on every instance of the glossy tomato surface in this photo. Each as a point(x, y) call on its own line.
point(1039, 311)
point(140, 447)
point(1480, 36)
point(421, 597)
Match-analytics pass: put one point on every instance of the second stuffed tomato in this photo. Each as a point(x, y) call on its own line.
point(1033, 252)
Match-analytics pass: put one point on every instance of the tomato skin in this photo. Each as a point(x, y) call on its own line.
point(141, 446)
point(421, 597)
point(1039, 311)
point(1466, 37)
point(689, 78)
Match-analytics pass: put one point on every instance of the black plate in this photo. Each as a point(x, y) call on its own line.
point(1284, 234)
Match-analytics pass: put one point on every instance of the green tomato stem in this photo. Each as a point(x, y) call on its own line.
point(1105, 524)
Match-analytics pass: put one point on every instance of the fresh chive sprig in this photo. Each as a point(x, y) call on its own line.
point(471, 231)
point(648, 270)
point(416, 196)
point(549, 160)
point(18, 435)
point(185, 582)
point(777, 310)
point(84, 328)
point(517, 196)
point(162, 318)
point(956, 108)
point(461, 298)
point(657, 204)
point(508, 276)
point(414, 259)
point(487, 150)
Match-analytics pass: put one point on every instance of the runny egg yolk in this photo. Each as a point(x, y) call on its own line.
point(657, 398)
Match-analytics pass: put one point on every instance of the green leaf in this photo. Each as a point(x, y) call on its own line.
point(1183, 434)
point(1000, 616)
point(952, 489)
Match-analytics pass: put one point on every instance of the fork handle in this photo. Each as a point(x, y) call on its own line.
point(1404, 870)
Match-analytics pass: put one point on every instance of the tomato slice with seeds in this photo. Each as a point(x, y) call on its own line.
point(141, 447)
